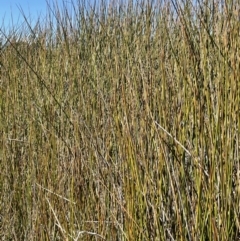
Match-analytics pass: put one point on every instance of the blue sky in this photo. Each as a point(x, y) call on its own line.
point(10, 10)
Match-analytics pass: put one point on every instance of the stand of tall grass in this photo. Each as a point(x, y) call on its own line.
point(121, 122)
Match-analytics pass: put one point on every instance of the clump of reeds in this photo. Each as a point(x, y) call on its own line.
point(121, 122)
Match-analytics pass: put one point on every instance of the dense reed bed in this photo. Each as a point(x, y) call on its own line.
point(121, 122)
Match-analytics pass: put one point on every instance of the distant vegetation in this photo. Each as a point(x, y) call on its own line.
point(121, 122)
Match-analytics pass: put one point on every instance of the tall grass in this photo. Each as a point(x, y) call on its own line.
point(121, 122)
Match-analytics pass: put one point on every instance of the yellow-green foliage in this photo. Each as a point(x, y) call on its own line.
point(122, 124)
